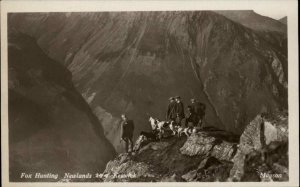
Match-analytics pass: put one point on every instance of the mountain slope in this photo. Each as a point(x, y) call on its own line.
point(283, 20)
point(133, 61)
point(51, 127)
point(254, 21)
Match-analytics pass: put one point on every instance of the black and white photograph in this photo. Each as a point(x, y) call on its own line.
point(149, 96)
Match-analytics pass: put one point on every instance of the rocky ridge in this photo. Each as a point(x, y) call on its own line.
point(251, 19)
point(260, 154)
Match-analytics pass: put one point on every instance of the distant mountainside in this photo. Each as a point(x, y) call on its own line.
point(51, 127)
point(283, 20)
point(254, 21)
point(133, 62)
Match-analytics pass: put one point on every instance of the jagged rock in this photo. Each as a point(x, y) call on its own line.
point(251, 138)
point(198, 144)
point(125, 169)
point(237, 171)
point(278, 70)
point(141, 141)
point(280, 169)
point(274, 133)
point(203, 163)
point(210, 169)
point(124, 157)
point(143, 144)
point(205, 143)
point(224, 151)
point(190, 176)
point(215, 172)
point(207, 162)
point(270, 132)
point(110, 166)
point(162, 157)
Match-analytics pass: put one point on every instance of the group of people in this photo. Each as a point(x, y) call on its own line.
point(175, 115)
point(195, 113)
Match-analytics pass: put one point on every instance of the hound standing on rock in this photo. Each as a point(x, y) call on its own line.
point(157, 125)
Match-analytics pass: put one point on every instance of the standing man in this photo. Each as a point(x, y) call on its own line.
point(196, 106)
point(171, 115)
point(127, 128)
point(179, 108)
point(199, 109)
point(192, 120)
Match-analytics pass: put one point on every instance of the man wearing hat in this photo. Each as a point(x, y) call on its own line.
point(171, 115)
point(195, 105)
point(179, 108)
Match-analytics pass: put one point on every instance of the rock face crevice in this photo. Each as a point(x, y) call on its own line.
point(51, 127)
point(193, 64)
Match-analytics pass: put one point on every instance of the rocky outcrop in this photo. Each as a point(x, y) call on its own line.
point(174, 159)
point(51, 127)
point(260, 155)
point(224, 151)
point(133, 61)
point(124, 169)
point(262, 150)
point(198, 145)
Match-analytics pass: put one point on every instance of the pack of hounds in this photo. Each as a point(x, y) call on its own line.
point(176, 120)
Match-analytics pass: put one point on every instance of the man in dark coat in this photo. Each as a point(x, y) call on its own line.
point(192, 117)
point(199, 109)
point(192, 120)
point(196, 106)
point(171, 115)
point(179, 108)
point(127, 128)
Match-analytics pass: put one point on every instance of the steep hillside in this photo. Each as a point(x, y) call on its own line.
point(269, 29)
point(51, 127)
point(254, 21)
point(133, 61)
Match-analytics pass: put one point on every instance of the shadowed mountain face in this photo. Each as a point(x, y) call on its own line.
point(133, 61)
point(51, 127)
